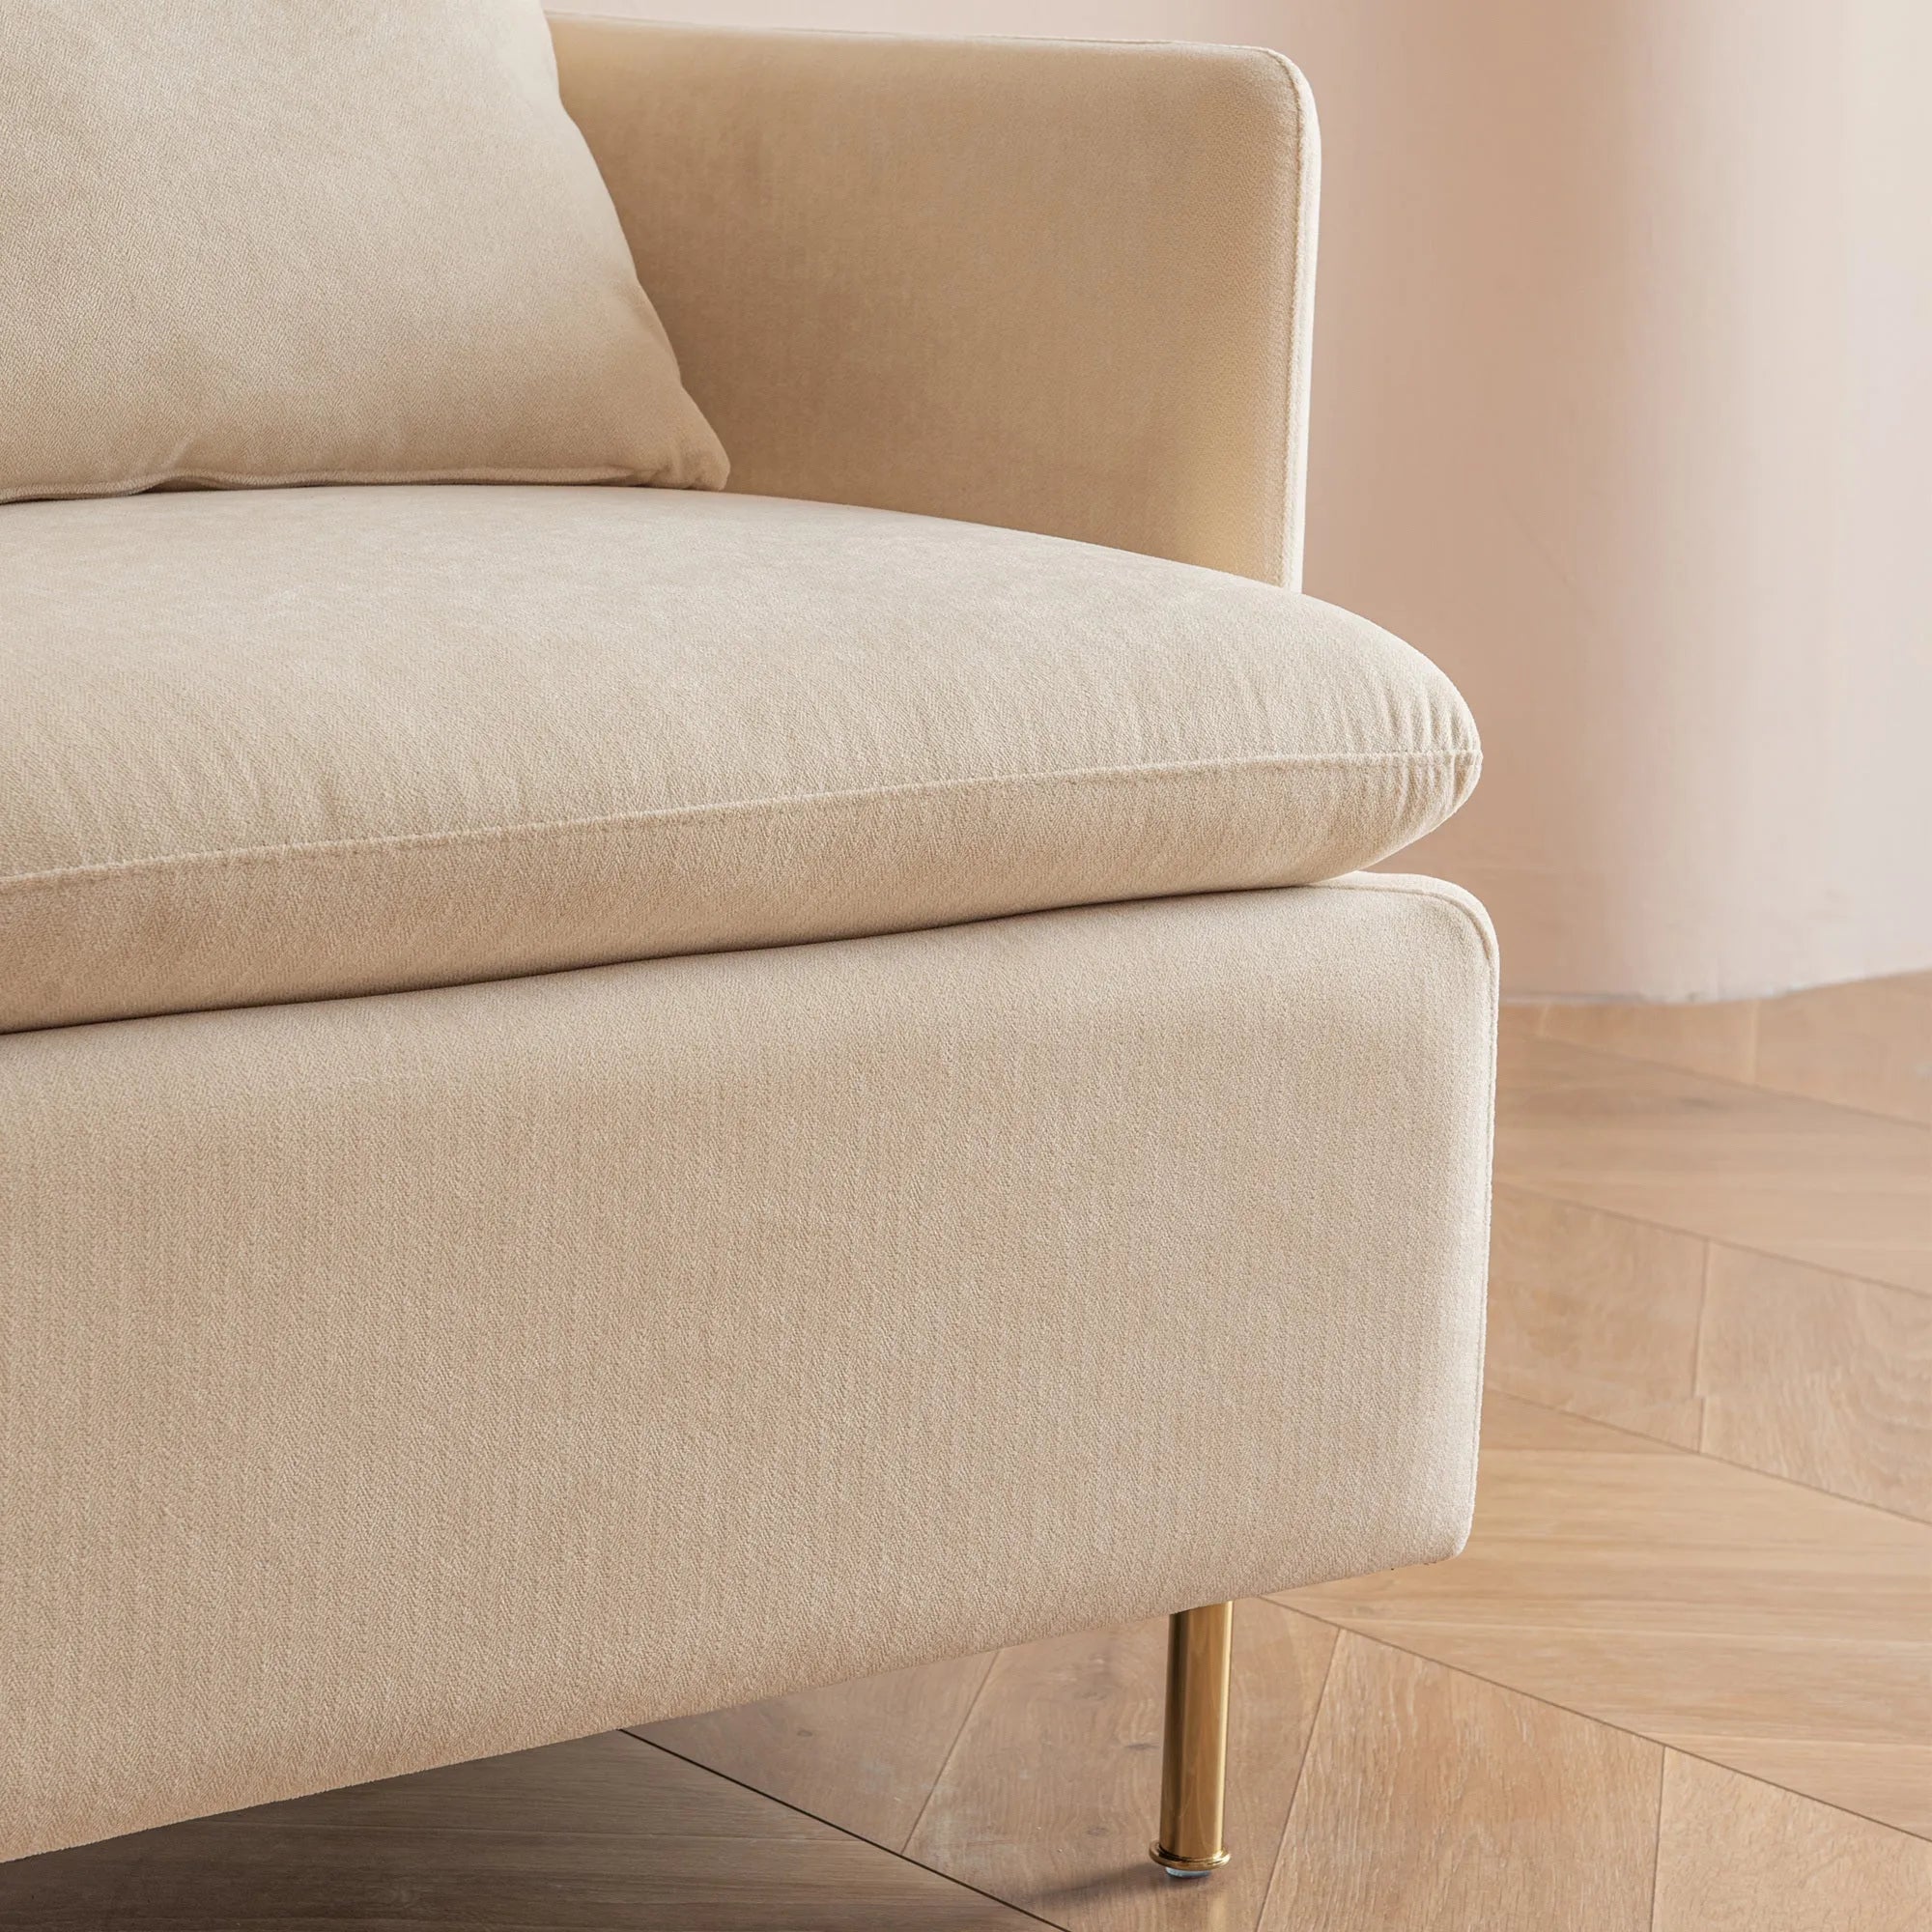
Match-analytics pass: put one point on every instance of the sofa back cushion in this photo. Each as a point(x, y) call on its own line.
point(257, 242)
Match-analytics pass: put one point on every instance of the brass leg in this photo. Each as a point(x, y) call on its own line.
point(1194, 1763)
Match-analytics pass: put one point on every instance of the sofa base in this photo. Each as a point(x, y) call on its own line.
point(402, 1380)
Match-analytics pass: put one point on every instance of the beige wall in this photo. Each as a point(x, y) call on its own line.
point(1623, 411)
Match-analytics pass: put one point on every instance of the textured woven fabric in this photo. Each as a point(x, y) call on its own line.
point(280, 240)
point(274, 745)
point(1060, 286)
point(397, 1379)
point(392, 1379)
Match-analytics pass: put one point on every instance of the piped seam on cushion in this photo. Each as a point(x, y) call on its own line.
point(223, 479)
point(1459, 756)
point(1463, 903)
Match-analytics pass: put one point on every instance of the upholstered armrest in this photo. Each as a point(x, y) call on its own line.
point(1063, 287)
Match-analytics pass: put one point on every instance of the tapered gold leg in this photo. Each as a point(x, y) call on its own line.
point(1193, 1762)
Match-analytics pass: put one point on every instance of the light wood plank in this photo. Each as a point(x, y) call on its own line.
point(1718, 1038)
point(864, 1755)
point(1873, 1782)
point(1519, 1019)
point(1508, 1422)
point(1051, 1797)
point(1672, 1595)
point(1627, 1536)
point(1843, 1190)
point(1598, 1314)
point(577, 1838)
point(1819, 1378)
point(1431, 1800)
point(1737, 1856)
point(604, 1785)
point(1843, 1724)
point(1867, 1044)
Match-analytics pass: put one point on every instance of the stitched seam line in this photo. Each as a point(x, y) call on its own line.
point(1290, 513)
point(484, 834)
point(1487, 944)
point(240, 479)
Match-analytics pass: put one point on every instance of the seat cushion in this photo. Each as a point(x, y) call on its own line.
point(285, 745)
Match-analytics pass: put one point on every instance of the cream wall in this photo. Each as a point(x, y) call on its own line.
point(1622, 413)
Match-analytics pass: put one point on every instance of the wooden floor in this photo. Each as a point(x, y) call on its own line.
point(1680, 1682)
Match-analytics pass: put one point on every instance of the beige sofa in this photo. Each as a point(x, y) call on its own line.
point(488, 1253)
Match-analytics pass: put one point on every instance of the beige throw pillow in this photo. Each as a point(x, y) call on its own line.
point(255, 242)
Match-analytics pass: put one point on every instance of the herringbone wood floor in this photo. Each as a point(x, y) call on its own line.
point(1680, 1682)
